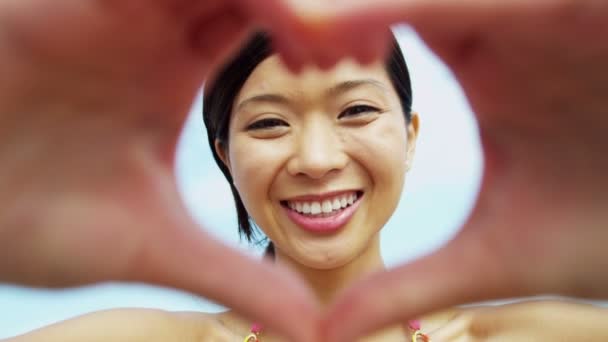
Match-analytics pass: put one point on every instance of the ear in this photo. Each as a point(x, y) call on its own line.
point(221, 150)
point(412, 136)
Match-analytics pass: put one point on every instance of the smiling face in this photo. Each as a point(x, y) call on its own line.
point(319, 159)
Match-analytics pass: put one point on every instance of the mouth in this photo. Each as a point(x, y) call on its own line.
point(323, 207)
point(323, 213)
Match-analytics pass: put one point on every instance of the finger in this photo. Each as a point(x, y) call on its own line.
point(355, 19)
point(376, 47)
point(178, 254)
point(217, 35)
point(387, 12)
point(463, 271)
point(365, 43)
point(287, 32)
point(257, 290)
point(292, 57)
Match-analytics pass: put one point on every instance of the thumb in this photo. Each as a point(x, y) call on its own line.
point(462, 271)
point(264, 293)
point(177, 253)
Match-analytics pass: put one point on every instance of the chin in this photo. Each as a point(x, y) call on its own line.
point(324, 260)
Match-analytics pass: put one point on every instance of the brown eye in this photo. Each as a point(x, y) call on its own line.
point(357, 110)
point(266, 124)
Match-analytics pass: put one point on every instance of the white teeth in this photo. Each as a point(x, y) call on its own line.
point(306, 208)
point(335, 205)
point(327, 207)
point(343, 202)
point(315, 208)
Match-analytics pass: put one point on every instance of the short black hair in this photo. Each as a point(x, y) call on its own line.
point(219, 98)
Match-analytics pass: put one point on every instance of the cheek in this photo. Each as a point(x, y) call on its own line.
point(380, 152)
point(243, 167)
point(381, 148)
point(252, 181)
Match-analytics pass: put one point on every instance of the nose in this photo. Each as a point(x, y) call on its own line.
point(318, 150)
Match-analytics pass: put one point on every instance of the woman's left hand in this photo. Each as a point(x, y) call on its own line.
point(526, 321)
point(534, 75)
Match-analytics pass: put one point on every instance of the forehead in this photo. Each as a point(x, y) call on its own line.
point(271, 76)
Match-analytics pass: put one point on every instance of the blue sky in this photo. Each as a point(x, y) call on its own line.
point(439, 192)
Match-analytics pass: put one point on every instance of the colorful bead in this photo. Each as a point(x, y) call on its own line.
point(256, 328)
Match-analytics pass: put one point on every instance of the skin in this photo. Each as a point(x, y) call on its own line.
point(520, 44)
point(525, 321)
point(134, 325)
point(294, 163)
point(345, 155)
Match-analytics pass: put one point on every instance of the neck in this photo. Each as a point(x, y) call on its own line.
point(327, 283)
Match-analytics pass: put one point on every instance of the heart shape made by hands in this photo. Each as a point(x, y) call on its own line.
point(94, 106)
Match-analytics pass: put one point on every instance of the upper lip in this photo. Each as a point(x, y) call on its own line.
point(322, 196)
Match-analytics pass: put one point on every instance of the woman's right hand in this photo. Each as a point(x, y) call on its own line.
point(93, 96)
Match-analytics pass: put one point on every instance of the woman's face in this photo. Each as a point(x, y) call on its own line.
point(319, 159)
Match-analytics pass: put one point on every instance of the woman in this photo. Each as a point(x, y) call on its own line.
point(335, 148)
point(318, 161)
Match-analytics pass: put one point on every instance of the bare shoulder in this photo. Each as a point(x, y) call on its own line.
point(135, 324)
point(234, 322)
point(438, 319)
point(227, 319)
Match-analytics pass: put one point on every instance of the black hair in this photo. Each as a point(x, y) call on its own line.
point(219, 98)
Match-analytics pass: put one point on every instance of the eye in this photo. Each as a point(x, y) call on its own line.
point(357, 110)
point(267, 123)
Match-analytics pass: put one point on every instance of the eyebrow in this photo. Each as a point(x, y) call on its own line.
point(346, 86)
point(338, 89)
point(267, 98)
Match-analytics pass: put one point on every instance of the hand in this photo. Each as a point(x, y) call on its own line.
point(533, 75)
point(526, 321)
point(92, 100)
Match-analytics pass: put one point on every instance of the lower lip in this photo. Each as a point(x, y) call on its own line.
point(328, 224)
